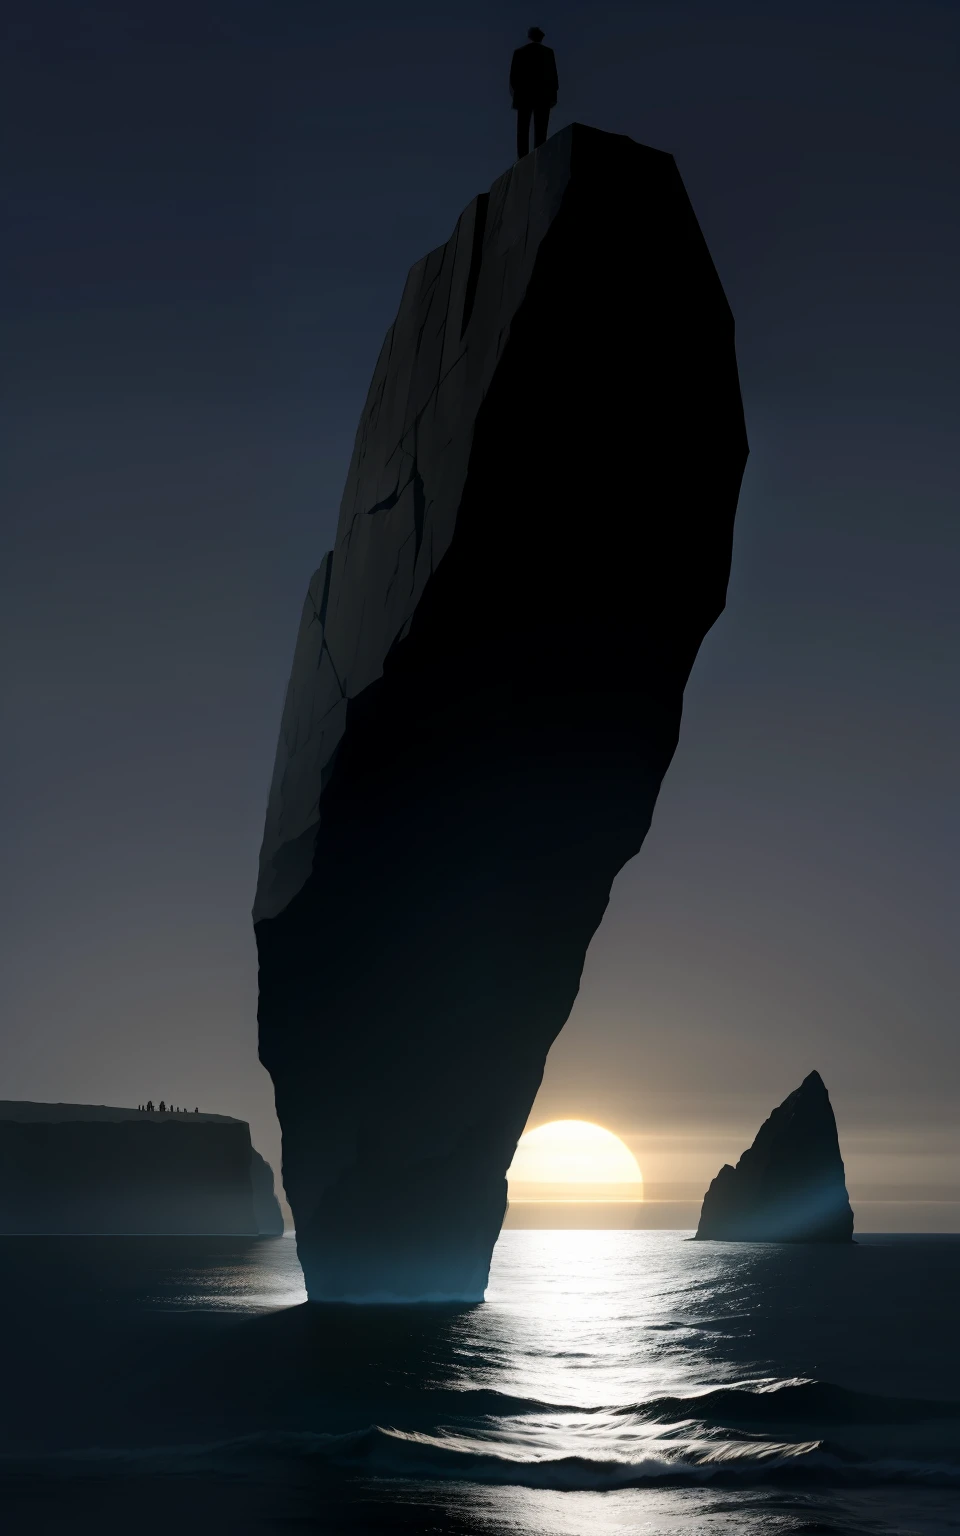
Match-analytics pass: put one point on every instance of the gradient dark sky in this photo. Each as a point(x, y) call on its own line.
point(213, 210)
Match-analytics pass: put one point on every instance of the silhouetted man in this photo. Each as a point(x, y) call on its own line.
point(534, 85)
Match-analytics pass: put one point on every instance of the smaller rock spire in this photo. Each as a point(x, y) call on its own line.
point(789, 1186)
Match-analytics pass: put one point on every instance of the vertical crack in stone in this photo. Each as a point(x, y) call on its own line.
point(476, 259)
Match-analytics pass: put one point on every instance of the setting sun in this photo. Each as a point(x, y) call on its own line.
point(573, 1160)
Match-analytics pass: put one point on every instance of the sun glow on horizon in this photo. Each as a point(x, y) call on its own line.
point(573, 1160)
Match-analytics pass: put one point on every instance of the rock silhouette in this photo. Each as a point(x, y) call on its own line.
point(486, 692)
point(70, 1169)
point(789, 1186)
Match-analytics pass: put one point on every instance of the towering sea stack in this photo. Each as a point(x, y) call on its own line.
point(486, 692)
point(789, 1187)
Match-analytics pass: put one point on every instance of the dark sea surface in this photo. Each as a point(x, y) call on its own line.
point(613, 1382)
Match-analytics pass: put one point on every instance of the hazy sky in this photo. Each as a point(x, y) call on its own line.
point(214, 206)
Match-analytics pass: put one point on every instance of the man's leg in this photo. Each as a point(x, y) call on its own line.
point(541, 119)
point(523, 132)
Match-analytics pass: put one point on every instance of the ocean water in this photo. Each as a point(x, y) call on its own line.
point(613, 1382)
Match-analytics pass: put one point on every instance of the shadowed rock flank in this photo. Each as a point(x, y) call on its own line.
point(789, 1186)
point(533, 540)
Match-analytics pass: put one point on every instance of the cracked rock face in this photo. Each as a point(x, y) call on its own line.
point(789, 1187)
point(486, 692)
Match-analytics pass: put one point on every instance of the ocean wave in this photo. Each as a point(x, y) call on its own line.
point(723, 1438)
point(387, 1453)
point(378, 1453)
point(795, 1402)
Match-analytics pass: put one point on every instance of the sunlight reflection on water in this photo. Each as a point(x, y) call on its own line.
point(613, 1381)
point(263, 1276)
point(590, 1318)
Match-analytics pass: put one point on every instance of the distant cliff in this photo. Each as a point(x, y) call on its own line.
point(88, 1169)
point(486, 692)
point(789, 1186)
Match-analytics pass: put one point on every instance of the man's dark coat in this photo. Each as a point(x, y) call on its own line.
point(533, 77)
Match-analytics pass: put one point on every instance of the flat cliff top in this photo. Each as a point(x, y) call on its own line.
point(25, 1111)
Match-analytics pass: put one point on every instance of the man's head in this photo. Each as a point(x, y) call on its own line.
point(536, 35)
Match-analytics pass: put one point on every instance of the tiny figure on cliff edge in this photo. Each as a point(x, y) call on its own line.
point(534, 86)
